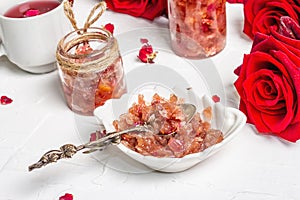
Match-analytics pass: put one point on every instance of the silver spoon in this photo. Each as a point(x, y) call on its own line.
point(68, 150)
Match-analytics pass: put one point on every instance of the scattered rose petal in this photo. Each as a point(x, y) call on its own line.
point(96, 135)
point(4, 100)
point(67, 196)
point(146, 53)
point(110, 27)
point(216, 98)
point(31, 13)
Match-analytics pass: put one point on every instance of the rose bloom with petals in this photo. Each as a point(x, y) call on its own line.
point(269, 83)
point(261, 15)
point(148, 9)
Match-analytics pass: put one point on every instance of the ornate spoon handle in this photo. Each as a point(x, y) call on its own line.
point(68, 150)
point(65, 151)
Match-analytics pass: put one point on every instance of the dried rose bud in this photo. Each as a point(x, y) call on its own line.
point(146, 53)
point(4, 100)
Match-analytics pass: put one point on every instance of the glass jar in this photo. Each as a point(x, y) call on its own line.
point(197, 27)
point(90, 68)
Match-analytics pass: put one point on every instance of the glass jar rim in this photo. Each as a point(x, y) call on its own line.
point(89, 62)
point(63, 47)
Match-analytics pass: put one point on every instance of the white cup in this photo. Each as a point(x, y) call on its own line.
point(31, 42)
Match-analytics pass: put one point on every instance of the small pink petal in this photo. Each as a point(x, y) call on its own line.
point(4, 100)
point(96, 135)
point(32, 12)
point(67, 196)
point(216, 98)
point(110, 27)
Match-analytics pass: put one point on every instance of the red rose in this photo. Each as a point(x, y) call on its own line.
point(260, 15)
point(269, 85)
point(148, 9)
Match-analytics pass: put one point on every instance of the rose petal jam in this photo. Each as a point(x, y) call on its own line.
point(31, 8)
point(166, 117)
point(91, 69)
point(198, 28)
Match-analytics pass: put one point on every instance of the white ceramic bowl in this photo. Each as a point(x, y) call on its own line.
point(229, 120)
point(191, 80)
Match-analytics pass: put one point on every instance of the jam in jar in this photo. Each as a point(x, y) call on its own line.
point(90, 68)
point(197, 27)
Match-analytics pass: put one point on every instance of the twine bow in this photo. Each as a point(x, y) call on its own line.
point(92, 18)
point(76, 65)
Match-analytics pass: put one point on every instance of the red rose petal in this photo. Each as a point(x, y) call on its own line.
point(110, 27)
point(146, 53)
point(67, 196)
point(96, 135)
point(31, 13)
point(289, 27)
point(4, 100)
point(216, 98)
point(262, 16)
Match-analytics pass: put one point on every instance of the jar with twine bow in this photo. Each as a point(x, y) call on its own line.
point(89, 64)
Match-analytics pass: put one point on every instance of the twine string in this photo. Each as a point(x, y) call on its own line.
point(71, 66)
point(92, 18)
point(70, 14)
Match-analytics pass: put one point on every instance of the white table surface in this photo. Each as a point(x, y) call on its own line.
point(250, 167)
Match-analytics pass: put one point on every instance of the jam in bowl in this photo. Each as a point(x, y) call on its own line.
point(212, 127)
